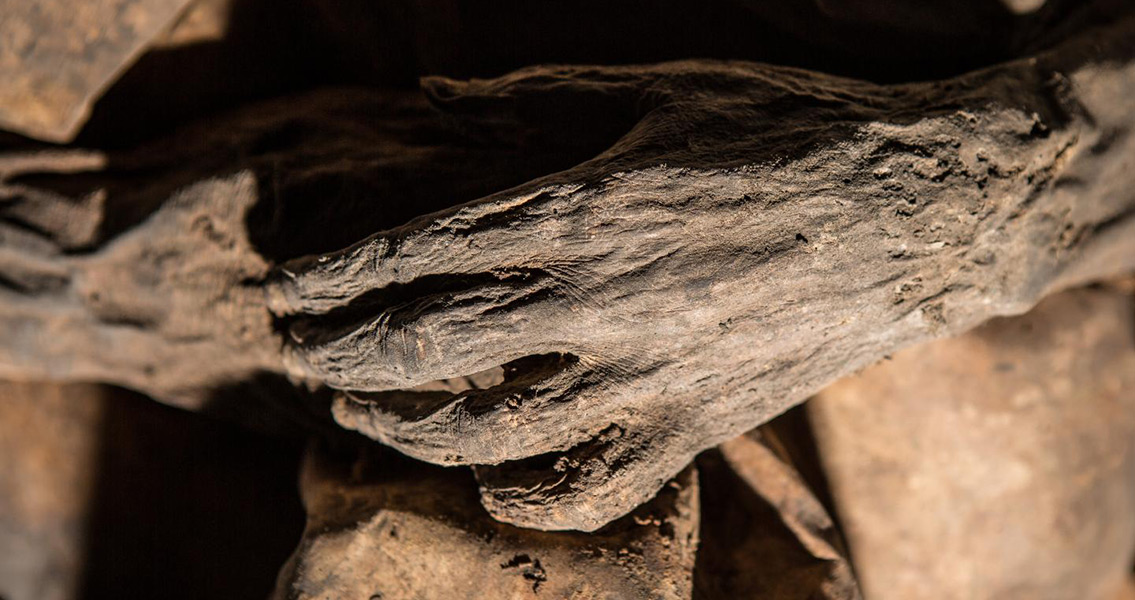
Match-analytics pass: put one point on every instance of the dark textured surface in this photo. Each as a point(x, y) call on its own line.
point(757, 234)
point(63, 62)
point(105, 494)
point(562, 284)
point(186, 507)
point(750, 234)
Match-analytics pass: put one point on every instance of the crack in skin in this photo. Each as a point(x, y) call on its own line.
point(756, 233)
point(902, 219)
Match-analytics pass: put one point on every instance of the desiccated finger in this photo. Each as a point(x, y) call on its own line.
point(589, 485)
point(545, 404)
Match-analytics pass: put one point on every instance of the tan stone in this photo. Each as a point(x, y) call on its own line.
point(1000, 464)
point(48, 443)
point(380, 528)
point(57, 57)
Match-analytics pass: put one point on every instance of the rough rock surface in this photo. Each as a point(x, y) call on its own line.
point(58, 56)
point(758, 233)
point(998, 464)
point(380, 528)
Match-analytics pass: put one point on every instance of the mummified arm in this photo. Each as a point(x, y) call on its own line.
point(167, 308)
point(144, 266)
point(757, 233)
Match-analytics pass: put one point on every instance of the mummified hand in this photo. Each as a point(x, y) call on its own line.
point(140, 266)
point(756, 233)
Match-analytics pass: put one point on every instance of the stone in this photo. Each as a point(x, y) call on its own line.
point(996, 464)
point(49, 441)
point(381, 526)
point(57, 57)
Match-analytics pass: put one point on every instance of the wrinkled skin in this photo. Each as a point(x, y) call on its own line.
point(757, 233)
point(144, 267)
point(753, 234)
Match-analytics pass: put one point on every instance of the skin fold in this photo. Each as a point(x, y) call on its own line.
point(757, 233)
point(732, 237)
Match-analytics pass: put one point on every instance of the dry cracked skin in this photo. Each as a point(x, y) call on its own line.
point(758, 233)
point(755, 233)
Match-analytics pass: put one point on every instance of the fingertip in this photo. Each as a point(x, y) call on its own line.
point(277, 299)
point(295, 364)
point(349, 413)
